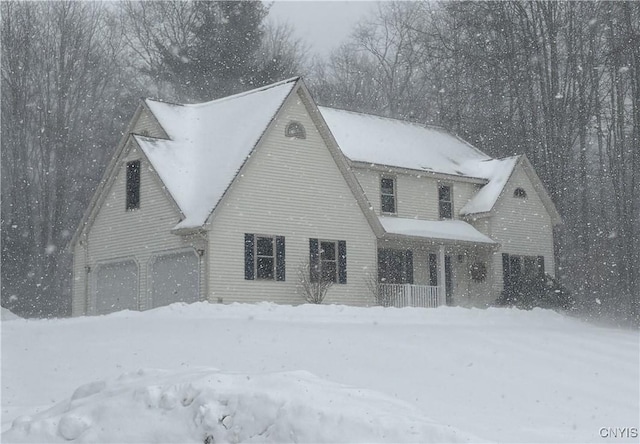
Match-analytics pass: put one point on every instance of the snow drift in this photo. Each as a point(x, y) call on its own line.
point(382, 375)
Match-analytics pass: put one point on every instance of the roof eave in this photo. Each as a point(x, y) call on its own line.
point(416, 171)
point(494, 246)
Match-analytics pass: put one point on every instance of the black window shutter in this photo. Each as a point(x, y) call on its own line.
point(433, 270)
point(249, 260)
point(408, 266)
point(314, 260)
point(342, 262)
point(506, 272)
point(541, 266)
point(280, 261)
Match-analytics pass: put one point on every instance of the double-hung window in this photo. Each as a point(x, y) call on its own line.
point(264, 257)
point(328, 261)
point(445, 201)
point(388, 195)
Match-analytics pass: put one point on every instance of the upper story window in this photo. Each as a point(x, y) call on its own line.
point(520, 193)
point(295, 130)
point(445, 201)
point(388, 195)
point(133, 185)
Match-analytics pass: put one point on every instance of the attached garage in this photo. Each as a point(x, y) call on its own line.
point(116, 286)
point(175, 277)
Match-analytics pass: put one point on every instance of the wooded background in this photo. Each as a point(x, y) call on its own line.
point(557, 81)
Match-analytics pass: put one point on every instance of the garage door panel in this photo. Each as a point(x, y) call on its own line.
point(116, 287)
point(175, 277)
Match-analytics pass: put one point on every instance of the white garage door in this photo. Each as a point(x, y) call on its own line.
point(116, 287)
point(175, 278)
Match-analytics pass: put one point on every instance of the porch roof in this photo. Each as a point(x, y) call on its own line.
point(452, 230)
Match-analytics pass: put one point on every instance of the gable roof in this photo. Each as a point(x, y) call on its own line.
point(391, 142)
point(398, 143)
point(207, 145)
point(498, 172)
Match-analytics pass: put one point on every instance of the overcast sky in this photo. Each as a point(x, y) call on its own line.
point(322, 24)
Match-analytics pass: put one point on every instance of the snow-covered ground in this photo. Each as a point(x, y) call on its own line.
point(255, 373)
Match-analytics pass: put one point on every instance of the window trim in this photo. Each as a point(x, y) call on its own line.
point(251, 257)
point(394, 196)
point(133, 171)
point(441, 202)
point(316, 261)
point(520, 193)
point(295, 130)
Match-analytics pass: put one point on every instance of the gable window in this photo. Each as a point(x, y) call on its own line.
point(133, 185)
point(445, 201)
point(388, 195)
point(520, 193)
point(328, 261)
point(295, 130)
point(264, 257)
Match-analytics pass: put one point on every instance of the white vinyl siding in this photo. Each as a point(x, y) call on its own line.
point(80, 282)
point(291, 187)
point(140, 234)
point(416, 195)
point(148, 126)
point(521, 226)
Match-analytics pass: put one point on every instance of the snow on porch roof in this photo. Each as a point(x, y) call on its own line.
point(208, 144)
point(455, 230)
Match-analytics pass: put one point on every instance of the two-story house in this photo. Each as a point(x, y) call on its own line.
point(230, 200)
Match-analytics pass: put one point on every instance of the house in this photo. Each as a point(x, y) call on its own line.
point(230, 200)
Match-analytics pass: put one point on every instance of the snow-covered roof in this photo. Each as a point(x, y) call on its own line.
point(207, 145)
point(455, 230)
point(384, 141)
point(209, 142)
point(390, 142)
point(497, 171)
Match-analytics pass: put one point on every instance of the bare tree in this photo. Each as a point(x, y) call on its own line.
point(313, 290)
point(60, 75)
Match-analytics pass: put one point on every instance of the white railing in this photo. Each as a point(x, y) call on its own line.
point(409, 295)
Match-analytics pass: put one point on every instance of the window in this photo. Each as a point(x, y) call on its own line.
point(133, 185)
point(445, 202)
point(264, 257)
point(295, 130)
point(478, 271)
point(518, 270)
point(520, 193)
point(395, 266)
point(388, 195)
point(328, 261)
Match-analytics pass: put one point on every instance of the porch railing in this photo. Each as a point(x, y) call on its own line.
point(409, 295)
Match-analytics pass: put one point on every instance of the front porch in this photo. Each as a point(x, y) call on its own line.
point(418, 272)
point(411, 295)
